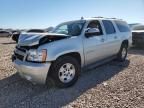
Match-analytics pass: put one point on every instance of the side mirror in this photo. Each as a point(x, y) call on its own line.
point(92, 32)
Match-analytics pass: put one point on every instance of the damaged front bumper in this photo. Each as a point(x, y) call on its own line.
point(34, 72)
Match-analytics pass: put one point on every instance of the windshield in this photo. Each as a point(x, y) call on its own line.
point(73, 28)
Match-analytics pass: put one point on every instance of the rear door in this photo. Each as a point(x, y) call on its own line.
point(112, 38)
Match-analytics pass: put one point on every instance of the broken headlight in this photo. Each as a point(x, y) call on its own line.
point(37, 56)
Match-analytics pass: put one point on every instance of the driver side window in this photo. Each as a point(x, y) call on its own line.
point(95, 24)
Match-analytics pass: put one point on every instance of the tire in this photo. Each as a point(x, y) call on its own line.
point(122, 55)
point(62, 75)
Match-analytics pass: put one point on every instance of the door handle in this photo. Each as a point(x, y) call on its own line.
point(102, 40)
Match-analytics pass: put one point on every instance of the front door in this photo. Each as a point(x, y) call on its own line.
point(94, 46)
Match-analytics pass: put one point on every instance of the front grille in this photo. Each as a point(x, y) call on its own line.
point(21, 49)
point(18, 56)
point(20, 52)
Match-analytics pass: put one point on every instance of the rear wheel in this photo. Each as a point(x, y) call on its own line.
point(122, 53)
point(65, 71)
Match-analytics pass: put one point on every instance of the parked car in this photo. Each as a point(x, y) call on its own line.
point(138, 35)
point(72, 46)
point(36, 31)
point(4, 33)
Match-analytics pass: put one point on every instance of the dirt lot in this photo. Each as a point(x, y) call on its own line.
point(113, 85)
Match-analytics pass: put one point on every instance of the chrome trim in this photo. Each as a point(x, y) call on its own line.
point(24, 54)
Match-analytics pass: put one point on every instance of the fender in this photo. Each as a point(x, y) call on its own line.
point(62, 47)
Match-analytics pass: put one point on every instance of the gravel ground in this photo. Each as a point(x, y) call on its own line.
point(112, 85)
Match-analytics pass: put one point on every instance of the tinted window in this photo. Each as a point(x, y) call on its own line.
point(122, 26)
point(95, 24)
point(108, 27)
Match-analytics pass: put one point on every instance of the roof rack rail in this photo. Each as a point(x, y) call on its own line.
point(98, 17)
point(114, 18)
point(107, 18)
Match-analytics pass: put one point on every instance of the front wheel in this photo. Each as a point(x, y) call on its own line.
point(122, 53)
point(65, 71)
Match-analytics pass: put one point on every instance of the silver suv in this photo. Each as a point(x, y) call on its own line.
point(70, 47)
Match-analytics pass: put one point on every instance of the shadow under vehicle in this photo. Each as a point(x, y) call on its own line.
point(16, 92)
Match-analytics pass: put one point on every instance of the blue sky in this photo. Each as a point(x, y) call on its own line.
point(45, 13)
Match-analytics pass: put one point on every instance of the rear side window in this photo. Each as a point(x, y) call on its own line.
point(109, 28)
point(122, 26)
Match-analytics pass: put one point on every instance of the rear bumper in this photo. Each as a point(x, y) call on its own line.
point(34, 72)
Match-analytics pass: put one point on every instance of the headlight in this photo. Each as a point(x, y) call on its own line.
point(37, 56)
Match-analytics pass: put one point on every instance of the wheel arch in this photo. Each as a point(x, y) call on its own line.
point(71, 54)
point(125, 42)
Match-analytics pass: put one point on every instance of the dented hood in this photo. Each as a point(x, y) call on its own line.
point(31, 39)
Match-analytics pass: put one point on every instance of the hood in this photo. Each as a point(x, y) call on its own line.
point(32, 39)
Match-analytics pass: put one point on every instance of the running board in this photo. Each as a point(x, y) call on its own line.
point(99, 63)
